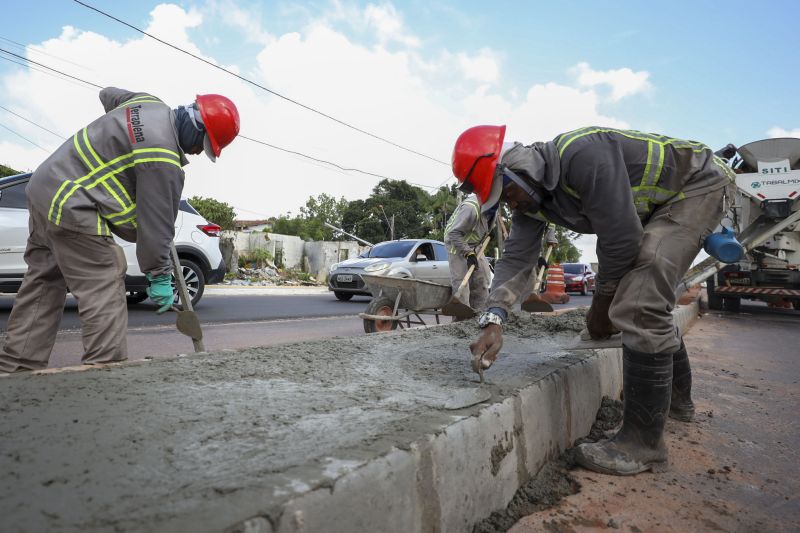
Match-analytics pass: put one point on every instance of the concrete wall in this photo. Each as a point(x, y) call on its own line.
point(314, 257)
point(320, 255)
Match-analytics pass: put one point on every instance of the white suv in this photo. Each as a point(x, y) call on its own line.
point(196, 240)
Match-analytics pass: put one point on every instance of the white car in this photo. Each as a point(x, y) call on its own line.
point(196, 240)
point(423, 259)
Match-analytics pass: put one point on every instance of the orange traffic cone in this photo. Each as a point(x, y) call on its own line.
point(555, 293)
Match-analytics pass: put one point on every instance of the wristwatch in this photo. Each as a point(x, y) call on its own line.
point(489, 318)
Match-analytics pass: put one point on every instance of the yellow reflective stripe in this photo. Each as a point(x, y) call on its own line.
point(115, 195)
point(123, 189)
point(80, 152)
point(99, 224)
point(728, 171)
point(662, 140)
point(72, 190)
point(89, 146)
point(140, 100)
point(55, 202)
point(125, 221)
point(107, 176)
point(569, 190)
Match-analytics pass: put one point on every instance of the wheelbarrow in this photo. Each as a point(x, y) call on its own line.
point(401, 302)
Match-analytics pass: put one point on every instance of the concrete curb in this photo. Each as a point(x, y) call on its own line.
point(449, 481)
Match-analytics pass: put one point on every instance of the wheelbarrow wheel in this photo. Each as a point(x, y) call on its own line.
point(382, 306)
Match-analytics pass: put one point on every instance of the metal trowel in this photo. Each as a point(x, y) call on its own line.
point(187, 322)
point(583, 341)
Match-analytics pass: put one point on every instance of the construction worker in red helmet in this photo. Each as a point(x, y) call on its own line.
point(123, 175)
point(651, 200)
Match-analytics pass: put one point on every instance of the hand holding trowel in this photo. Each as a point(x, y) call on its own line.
point(187, 321)
point(456, 306)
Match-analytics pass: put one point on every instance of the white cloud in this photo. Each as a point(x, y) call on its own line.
point(781, 132)
point(414, 96)
point(389, 25)
point(482, 67)
point(623, 82)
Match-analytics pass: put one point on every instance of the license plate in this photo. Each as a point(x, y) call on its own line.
point(344, 278)
point(739, 281)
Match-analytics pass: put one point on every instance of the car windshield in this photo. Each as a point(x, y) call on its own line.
point(392, 249)
point(573, 268)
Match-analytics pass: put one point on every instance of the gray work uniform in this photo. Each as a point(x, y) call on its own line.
point(464, 234)
point(121, 174)
point(650, 199)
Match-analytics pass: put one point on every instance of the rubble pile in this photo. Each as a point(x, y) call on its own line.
point(268, 276)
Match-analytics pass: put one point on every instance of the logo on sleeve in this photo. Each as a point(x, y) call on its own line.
point(135, 127)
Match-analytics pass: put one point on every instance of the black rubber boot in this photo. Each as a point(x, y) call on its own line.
point(639, 445)
point(681, 407)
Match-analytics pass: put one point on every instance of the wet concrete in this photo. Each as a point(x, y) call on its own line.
point(199, 442)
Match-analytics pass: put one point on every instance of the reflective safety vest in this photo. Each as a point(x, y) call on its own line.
point(661, 169)
point(122, 173)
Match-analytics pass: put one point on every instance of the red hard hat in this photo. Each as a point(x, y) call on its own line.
point(220, 118)
point(475, 158)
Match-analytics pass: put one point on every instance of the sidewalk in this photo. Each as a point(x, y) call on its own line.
point(255, 290)
point(736, 468)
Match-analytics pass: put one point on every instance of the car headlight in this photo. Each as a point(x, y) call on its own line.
point(333, 267)
point(577, 278)
point(376, 267)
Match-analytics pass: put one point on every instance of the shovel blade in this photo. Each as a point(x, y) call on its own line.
point(188, 324)
point(457, 309)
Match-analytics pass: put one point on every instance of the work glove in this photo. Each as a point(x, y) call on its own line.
point(472, 261)
point(542, 263)
point(486, 347)
point(597, 322)
point(160, 292)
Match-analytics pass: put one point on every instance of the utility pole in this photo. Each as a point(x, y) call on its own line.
point(388, 223)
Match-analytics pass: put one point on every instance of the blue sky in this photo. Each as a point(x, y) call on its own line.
point(417, 72)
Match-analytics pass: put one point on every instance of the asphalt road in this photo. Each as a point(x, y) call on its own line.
point(233, 320)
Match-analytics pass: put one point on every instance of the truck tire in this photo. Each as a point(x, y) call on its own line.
point(732, 305)
point(380, 306)
point(714, 300)
point(343, 296)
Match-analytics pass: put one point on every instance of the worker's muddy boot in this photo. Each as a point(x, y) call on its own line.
point(639, 445)
point(681, 407)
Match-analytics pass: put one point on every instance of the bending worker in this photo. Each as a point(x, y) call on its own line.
point(464, 235)
point(651, 200)
point(121, 174)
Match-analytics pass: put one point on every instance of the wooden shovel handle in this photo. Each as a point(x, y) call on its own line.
point(472, 268)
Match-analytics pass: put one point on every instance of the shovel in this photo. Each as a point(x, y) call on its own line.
point(456, 307)
point(187, 321)
point(534, 304)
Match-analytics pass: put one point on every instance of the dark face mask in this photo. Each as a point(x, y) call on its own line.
point(189, 136)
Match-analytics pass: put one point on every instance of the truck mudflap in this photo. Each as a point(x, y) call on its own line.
point(757, 290)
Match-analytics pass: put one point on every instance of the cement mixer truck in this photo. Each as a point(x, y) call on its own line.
point(766, 216)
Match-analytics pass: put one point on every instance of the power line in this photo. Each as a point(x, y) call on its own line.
point(48, 68)
point(264, 143)
point(40, 51)
point(32, 122)
point(28, 66)
point(346, 169)
point(23, 137)
point(262, 87)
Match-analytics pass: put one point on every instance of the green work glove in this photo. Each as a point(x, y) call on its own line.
point(160, 291)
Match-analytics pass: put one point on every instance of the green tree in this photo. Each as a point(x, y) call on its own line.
point(214, 211)
point(7, 171)
point(566, 251)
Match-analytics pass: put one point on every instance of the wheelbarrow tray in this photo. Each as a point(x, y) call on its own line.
point(415, 294)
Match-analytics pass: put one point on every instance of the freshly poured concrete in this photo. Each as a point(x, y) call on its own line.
point(205, 442)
